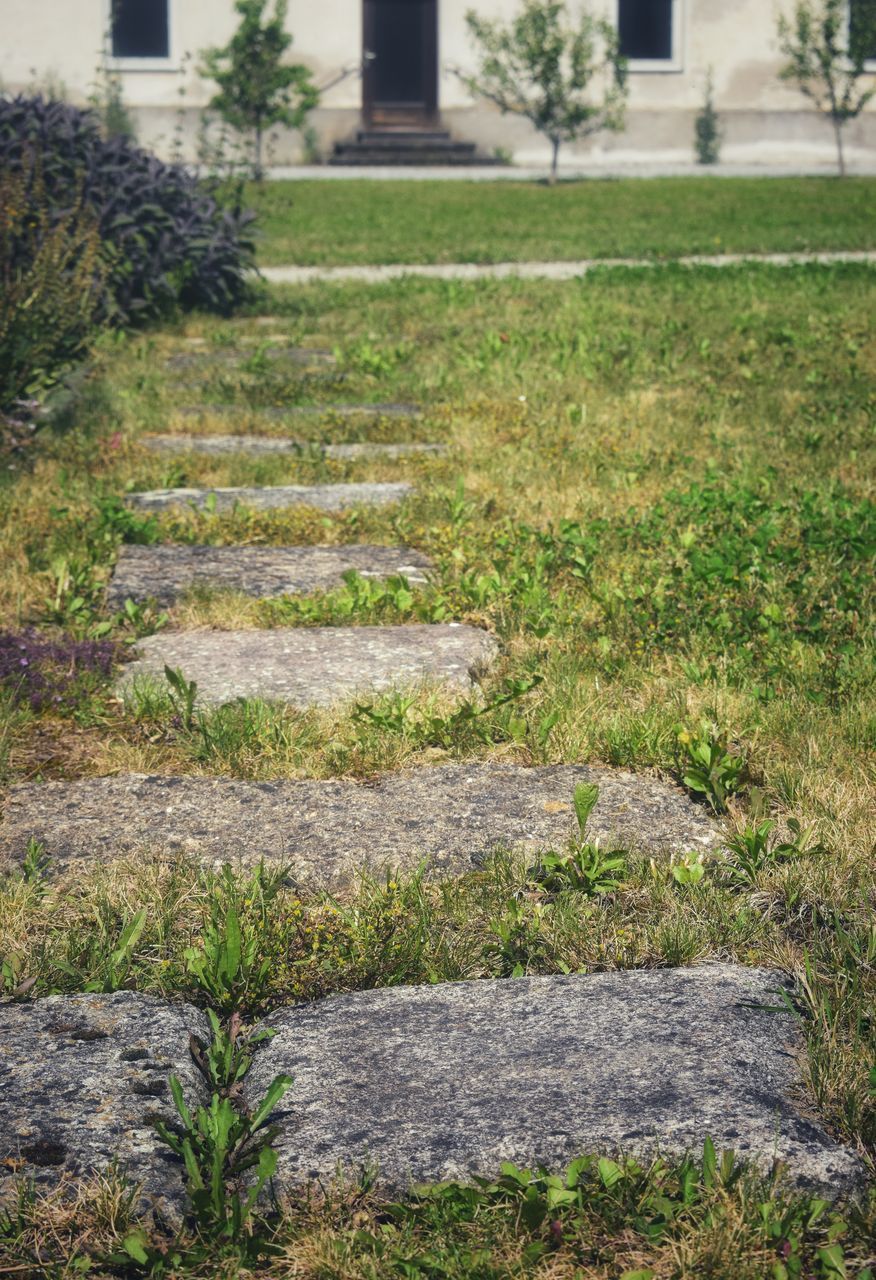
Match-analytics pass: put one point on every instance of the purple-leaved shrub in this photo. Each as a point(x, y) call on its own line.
point(52, 673)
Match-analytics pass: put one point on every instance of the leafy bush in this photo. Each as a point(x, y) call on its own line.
point(166, 241)
point(50, 283)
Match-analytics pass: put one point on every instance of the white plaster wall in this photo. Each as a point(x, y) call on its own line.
point(61, 40)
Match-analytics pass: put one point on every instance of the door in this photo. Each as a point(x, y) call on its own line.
point(400, 79)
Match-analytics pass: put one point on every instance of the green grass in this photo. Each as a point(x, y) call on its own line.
point(659, 496)
point(337, 222)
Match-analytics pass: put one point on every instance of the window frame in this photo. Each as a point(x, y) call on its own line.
point(169, 63)
point(656, 66)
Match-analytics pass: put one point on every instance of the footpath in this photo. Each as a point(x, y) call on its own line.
point(545, 270)
point(425, 1083)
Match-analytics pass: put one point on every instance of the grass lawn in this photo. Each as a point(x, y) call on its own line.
point(660, 496)
point(341, 222)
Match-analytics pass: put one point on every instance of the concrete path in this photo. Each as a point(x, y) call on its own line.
point(860, 165)
point(545, 270)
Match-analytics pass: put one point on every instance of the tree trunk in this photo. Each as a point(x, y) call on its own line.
point(258, 173)
point(841, 159)
point(555, 151)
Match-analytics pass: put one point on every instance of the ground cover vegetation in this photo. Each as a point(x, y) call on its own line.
point(362, 222)
point(659, 496)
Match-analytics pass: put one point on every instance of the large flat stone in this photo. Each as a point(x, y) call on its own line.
point(204, 355)
point(216, 446)
point(445, 1082)
point(315, 666)
point(82, 1077)
point(329, 831)
point(325, 497)
point(385, 410)
point(164, 573)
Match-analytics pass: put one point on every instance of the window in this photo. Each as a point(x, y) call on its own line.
point(862, 26)
point(140, 29)
point(647, 30)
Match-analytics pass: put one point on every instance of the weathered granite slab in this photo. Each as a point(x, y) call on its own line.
point(82, 1077)
point(164, 573)
point(305, 356)
point(315, 666)
point(445, 1082)
point(215, 446)
point(390, 410)
point(325, 497)
point(329, 831)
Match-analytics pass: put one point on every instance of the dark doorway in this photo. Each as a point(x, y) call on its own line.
point(400, 80)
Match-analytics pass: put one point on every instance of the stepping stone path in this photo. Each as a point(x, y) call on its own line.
point(308, 410)
point(428, 1083)
point(327, 832)
point(315, 666)
point(220, 445)
point(81, 1080)
point(431, 1083)
point(324, 497)
point(164, 573)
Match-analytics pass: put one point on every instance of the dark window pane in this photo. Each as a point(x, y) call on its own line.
point(645, 28)
point(139, 29)
point(862, 14)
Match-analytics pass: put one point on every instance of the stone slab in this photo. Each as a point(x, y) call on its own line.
point(164, 573)
point(327, 832)
point(444, 1082)
point(324, 497)
point(216, 446)
point(81, 1078)
point(303, 356)
point(315, 666)
point(390, 410)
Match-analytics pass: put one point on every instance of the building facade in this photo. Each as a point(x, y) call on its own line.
point(398, 62)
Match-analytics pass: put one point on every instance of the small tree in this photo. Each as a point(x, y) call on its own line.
point(541, 65)
point(707, 128)
point(256, 88)
point(827, 50)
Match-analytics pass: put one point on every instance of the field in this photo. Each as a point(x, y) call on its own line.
point(659, 496)
point(338, 223)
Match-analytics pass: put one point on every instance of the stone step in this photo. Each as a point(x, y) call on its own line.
point(327, 832)
point(387, 410)
point(430, 1083)
point(445, 1082)
point(324, 497)
point(300, 356)
point(315, 666)
point(81, 1080)
point(267, 445)
point(164, 573)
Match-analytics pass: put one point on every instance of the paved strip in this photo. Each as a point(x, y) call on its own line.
point(258, 445)
point(165, 573)
point(300, 356)
point(305, 410)
point(329, 831)
point(324, 497)
point(545, 270)
point(444, 1082)
point(315, 666)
